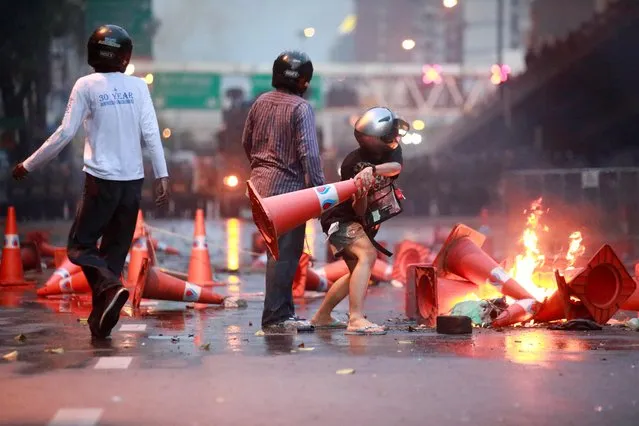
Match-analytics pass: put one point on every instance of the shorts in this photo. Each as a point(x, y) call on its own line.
point(345, 235)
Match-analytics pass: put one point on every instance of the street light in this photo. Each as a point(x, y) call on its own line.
point(309, 32)
point(449, 3)
point(130, 69)
point(231, 181)
point(408, 44)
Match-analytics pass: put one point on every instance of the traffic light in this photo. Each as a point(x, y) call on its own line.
point(499, 74)
point(431, 74)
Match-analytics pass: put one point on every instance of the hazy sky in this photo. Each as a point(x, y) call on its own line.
point(245, 31)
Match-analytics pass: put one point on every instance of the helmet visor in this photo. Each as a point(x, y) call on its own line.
point(400, 128)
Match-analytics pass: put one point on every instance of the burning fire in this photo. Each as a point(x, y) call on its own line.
point(526, 268)
point(527, 262)
point(575, 249)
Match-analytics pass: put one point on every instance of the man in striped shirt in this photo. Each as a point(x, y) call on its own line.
point(280, 140)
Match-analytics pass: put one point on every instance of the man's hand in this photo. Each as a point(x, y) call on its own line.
point(366, 180)
point(19, 172)
point(161, 191)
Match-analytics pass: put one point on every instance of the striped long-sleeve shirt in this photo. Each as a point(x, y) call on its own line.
point(280, 140)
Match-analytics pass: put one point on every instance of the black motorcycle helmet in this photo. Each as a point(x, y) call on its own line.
point(109, 49)
point(292, 70)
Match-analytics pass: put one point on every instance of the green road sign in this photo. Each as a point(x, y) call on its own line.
point(261, 83)
point(186, 90)
point(136, 17)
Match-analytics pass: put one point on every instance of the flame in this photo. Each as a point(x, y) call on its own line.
point(575, 249)
point(527, 264)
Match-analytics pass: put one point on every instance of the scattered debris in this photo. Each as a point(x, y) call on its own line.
point(175, 339)
point(54, 350)
point(11, 356)
point(83, 321)
point(404, 342)
point(259, 333)
point(301, 345)
point(306, 349)
point(633, 324)
point(206, 347)
point(20, 338)
point(250, 324)
point(345, 371)
point(576, 324)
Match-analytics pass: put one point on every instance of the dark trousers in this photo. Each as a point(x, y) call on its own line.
point(108, 209)
point(278, 301)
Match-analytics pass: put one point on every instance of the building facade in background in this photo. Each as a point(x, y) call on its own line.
point(464, 34)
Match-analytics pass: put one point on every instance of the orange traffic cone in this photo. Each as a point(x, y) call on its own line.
point(428, 296)
point(520, 311)
point(316, 282)
point(59, 256)
point(334, 270)
point(382, 271)
point(139, 252)
point(559, 305)
point(461, 255)
point(61, 282)
point(604, 286)
point(164, 247)
point(200, 264)
point(48, 250)
point(11, 271)
point(274, 216)
point(30, 256)
point(139, 226)
point(299, 283)
point(406, 253)
point(155, 284)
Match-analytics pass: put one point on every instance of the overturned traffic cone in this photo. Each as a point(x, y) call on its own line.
point(200, 272)
point(462, 256)
point(30, 255)
point(299, 282)
point(520, 311)
point(604, 286)
point(59, 256)
point(279, 214)
point(155, 284)
point(11, 271)
point(164, 247)
point(407, 253)
point(428, 296)
point(559, 304)
point(316, 282)
point(61, 282)
point(382, 271)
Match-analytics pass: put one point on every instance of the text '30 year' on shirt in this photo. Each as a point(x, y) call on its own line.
point(117, 111)
point(280, 140)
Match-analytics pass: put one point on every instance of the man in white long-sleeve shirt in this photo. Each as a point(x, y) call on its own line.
point(116, 110)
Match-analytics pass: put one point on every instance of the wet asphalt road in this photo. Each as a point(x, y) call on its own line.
point(177, 364)
point(158, 370)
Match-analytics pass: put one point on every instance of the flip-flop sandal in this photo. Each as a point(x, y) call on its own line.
point(369, 330)
point(336, 324)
